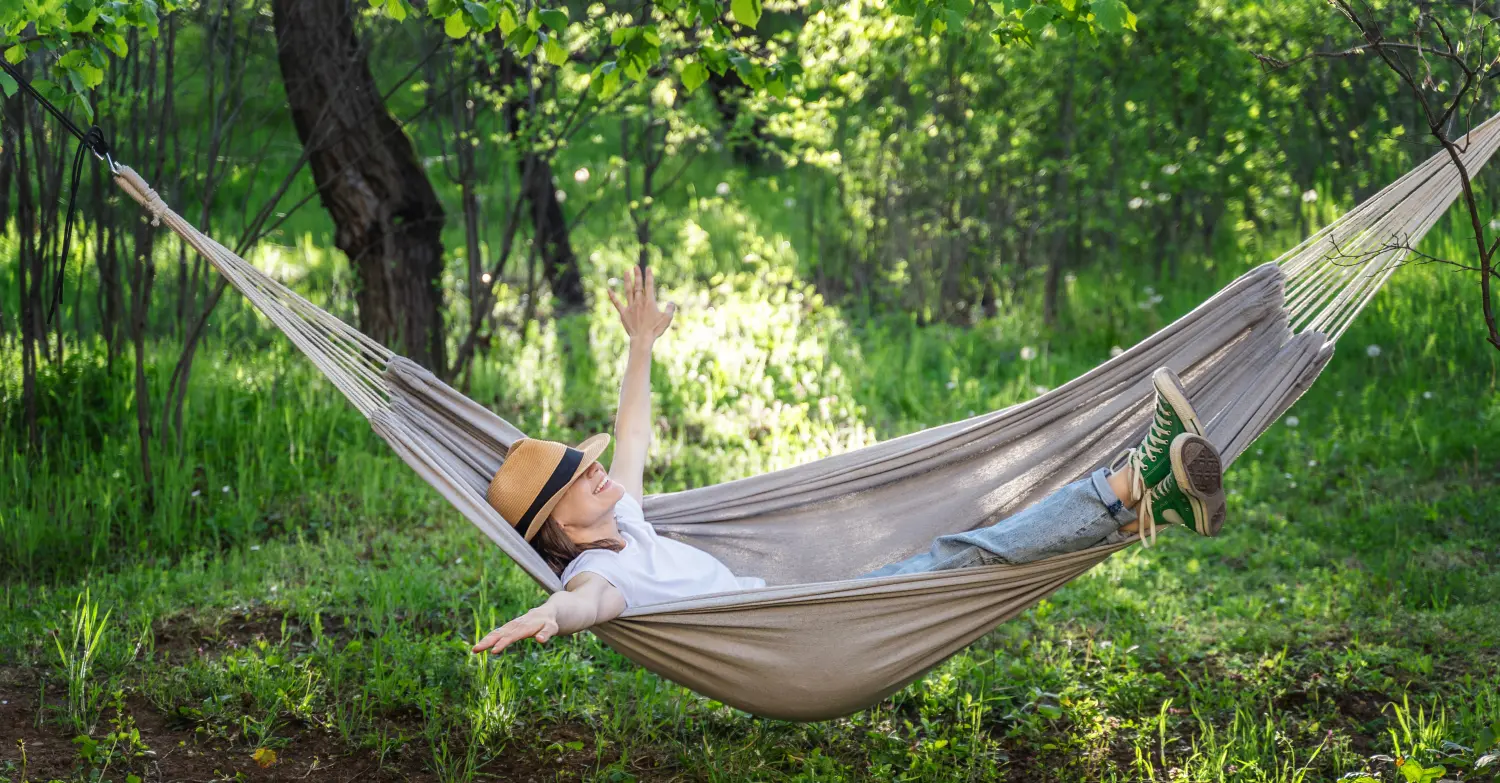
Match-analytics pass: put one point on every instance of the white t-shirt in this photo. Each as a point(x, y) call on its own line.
point(653, 569)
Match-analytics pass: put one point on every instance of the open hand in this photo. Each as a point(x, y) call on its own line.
point(639, 313)
point(538, 624)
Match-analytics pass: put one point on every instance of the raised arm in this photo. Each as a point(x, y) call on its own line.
point(643, 322)
point(589, 600)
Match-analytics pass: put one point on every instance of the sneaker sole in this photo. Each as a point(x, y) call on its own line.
point(1169, 387)
point(1200, 475)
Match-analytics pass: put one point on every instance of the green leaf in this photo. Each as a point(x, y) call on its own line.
point(527, 43)
point(694, 75)
point(1037, 19)
point(634, 68)
point(533, 19)
point(555, 52)
point(746, 12)
point(92, 77)
point(507, 22)
point(555, 19)
point(115, 43)
point(611, 82)
point(455, 26)
point(776, 87)
point(1110, 14)
point(8, 85)
point(717, 59)
point(396, 9)
point(479, 13)
point(15, 54)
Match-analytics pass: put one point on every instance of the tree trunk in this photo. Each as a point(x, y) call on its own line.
point(549, 224)
point(388, 218)
point(1062, 197)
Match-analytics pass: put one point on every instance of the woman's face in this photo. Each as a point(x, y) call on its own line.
point(587, 510)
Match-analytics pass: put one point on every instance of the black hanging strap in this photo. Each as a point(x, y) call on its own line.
point(91, 140)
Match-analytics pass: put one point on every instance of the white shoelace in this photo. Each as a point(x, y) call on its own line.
point(1131, 460)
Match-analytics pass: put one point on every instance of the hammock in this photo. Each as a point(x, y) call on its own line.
point(817, 643)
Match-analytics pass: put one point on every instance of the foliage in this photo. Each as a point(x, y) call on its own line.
point(78, 37)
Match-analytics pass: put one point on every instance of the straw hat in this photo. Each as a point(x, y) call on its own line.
point(534, 477)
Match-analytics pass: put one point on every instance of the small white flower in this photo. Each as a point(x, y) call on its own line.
point(1028, 353)
point(952, 385)
point(484, 278)
point(561, 195)
point(1145, 184)
point(1292, 421)
point(1286, 476)
point(1137, 202)
point(1040, 389)
point(789, 202)
point(1115, 351)
point(255, 548)
point(197, 492)
point(1495, 224)
point(1284, 190)
point(1164, 197)
point(274, 588)
point(1156, 299)
point(1309, 196)
point(1070, 278)
point(581, 176)
point(722, 189)
point(971, 413)
point(1150, 290)
point(1106, 643)
point(1259, 452)
point(459, 561)
point(116, 474)
point(1312, 463)
point(1372, 351)
point(1426, 395)
point(1293, 485)
point(226, 489)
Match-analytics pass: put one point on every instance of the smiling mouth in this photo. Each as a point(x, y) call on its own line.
point(602, 486)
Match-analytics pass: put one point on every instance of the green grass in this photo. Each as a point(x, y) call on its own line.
point(295, 584)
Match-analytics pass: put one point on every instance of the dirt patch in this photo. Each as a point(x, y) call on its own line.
point(176, 753)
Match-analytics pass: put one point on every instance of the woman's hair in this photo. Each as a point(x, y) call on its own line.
point(558, 550)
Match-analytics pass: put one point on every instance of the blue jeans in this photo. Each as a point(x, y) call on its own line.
point(1078, 516)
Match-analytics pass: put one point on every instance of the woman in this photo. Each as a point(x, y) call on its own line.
point(588, 525)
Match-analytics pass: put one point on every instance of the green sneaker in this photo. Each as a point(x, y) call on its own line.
point(1174, 416)
point(1192, 495)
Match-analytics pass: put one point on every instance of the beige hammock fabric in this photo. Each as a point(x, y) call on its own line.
point(817, 643)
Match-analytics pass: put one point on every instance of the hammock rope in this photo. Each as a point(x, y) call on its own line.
point(816, 642)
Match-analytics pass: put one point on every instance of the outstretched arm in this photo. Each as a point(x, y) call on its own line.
point(589, 600)
point(643, 322)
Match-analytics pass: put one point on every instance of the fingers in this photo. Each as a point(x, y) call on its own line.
point(666, 320)
point(650, 285)
point(506, 635)
point(615, 300)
